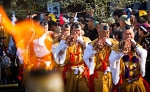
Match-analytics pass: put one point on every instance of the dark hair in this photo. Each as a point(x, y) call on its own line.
point(117, 24)
point(140, 20)
point(36, 18)
point(118, 32)
point(46, 13)
point(143, 31)
point(81, 19)
point(52, 23)
point(119, 13)
point(146, 18)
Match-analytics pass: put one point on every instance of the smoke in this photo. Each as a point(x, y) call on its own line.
point(14, 19)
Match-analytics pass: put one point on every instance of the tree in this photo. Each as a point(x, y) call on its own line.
point(101, 7)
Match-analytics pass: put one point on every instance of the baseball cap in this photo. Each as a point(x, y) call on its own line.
point(110, 20)
point(124, 18)
point(89, 18)
point(145, 27)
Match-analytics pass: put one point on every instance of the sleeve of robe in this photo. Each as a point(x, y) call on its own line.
point(60, 59)
point(142, 55)
point(89, 54)
point(114, 60)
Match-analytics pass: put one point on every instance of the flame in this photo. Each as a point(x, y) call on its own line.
point(22, 31)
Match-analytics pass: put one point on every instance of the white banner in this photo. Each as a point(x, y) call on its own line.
point(54, 8)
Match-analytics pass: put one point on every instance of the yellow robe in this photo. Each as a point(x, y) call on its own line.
point(136, 85)
point(102, 82)
point(75, 82)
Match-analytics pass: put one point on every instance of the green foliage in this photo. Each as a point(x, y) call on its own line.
point(23, 7)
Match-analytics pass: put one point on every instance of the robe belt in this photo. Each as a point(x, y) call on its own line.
point(72, 66)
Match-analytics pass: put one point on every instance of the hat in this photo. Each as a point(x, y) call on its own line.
point(53, 17)
point(124, 18)
point(145, 27)
point(142, 12)
point(89, 18)
point(110, 20)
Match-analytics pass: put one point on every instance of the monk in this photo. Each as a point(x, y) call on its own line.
point(69, 55)
point(127, 63)
point(97, 60)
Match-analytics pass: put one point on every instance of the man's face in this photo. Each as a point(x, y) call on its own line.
point(128, 34)
point(46, 28)
point(52, 28)
point(66, 31)
point(103, 31)
point(105, 34)
point(89, 23)
point(77, 31)
point(116, 18)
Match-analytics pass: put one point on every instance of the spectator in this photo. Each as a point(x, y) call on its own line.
point(92, 31)
point(53, 26)
point(117, 14)
point(124, 21)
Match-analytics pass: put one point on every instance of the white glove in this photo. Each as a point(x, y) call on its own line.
point(132, 40)
point(121, 54)
point(80, 39)
point(108, 42)
point(64, 47)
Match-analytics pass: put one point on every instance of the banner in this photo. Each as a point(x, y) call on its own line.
point(54, 8)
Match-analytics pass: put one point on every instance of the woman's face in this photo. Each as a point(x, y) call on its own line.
point(135, 24)
point(121, 23)
point(140, 32)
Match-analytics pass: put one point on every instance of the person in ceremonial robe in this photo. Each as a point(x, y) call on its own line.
point(39, 51)
point(127, 63)
point(100, 79)
point(69, 54)
point(64, 33)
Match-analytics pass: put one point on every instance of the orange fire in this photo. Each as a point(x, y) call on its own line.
point(23, 32)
